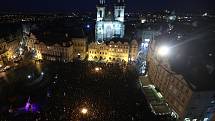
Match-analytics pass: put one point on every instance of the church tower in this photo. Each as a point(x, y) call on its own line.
point(119, 10)
point(109, 26)
point(101, 10)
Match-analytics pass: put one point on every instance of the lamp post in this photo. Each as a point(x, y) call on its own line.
point(84, 111)
point(163, 51)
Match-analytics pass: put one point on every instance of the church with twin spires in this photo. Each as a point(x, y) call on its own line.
point(110, 23)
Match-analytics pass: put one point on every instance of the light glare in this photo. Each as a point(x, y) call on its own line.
point(84, 111)
point(163, 51)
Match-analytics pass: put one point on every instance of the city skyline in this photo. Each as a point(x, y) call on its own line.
point(119, 60)
point(81, 5)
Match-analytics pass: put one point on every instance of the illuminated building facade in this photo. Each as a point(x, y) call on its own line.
point(110, 24)
point(113, 51)
point(79, 48)
point(188, 99)
point(8, 50)
point(64, 51)
point(76, 48)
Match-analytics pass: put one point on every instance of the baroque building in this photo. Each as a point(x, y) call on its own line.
point(110, 24)
point(8, 50)
point(64, 50)
point(113, 51)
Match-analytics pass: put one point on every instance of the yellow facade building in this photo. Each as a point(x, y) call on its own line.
point(112, 51)
point(76, 48)
point(64, 51)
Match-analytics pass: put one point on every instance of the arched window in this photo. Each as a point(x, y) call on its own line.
point(100, 14)
point(119, 13)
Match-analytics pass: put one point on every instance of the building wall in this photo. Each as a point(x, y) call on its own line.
point(3, 47)
point(79, 47)
point(106, 30)
point(119, 13)
point(66, 51)
point(55, 52)
point(134, 50)
point(31, 41)
point(110, 25)
point(172, 86)
point(183, 98)
point(100, 13)
point(8, 49)
point(13, 45)
point(213, 117)
point(112, 51)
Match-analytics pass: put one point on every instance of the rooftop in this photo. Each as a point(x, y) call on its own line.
point(57, 34)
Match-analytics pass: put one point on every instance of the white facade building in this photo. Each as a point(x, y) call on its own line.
point(110, 25)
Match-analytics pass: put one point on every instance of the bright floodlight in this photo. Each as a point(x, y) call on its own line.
point(29, 76)
point(163, 51)
point(84, 111)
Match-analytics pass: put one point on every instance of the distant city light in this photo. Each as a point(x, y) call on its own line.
point(143, 21)
point(205, 14)
point(163, 51)
point(172, 18)
point(88, 26)
point(42, 73)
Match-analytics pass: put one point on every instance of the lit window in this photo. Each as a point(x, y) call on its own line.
point(187, 119)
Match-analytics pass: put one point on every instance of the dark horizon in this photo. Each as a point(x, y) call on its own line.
point(82, 5)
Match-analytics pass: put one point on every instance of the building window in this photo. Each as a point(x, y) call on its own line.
point(119, 13)
point(100, 14)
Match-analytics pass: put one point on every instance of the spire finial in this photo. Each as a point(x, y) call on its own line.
point(102, 2)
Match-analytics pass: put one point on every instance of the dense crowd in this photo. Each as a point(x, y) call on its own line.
point(108, 91)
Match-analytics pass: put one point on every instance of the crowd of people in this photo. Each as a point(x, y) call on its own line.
point(108, 91)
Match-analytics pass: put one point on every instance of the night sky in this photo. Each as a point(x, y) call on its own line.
point(89, 5)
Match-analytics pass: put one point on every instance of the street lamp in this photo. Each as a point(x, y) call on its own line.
point(84, 111)
point(97, 69)
point(29, 76)
point(163, 51)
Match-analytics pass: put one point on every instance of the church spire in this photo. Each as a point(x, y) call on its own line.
point(119, 10)
point(120, 1)
point(101, 2)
